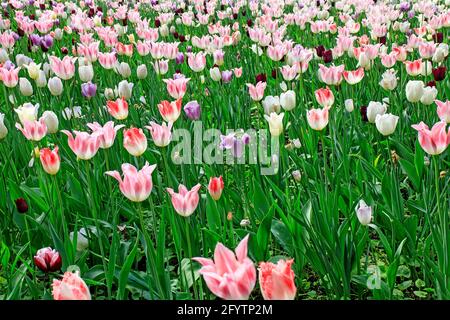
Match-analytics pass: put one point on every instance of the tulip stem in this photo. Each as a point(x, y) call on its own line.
point(188, 236)
point(58, 192)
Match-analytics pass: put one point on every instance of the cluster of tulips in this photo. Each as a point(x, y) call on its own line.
point(77, 75)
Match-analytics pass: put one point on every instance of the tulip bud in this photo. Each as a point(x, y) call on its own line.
point(25, 87)
point(349, 107)
point(142, 71)
point(287, 100)
point(55, 86)
point(215, 74)
point(192, 110)
point(364, 213)
point(125, 89)
point(215, 187)
point(48, 260)
point(21, 205)
point(86, 73)
point(373, 109)
point(124, 70)
point(296, 175)
point(82, 240)
point(3, 129)
point(41, 80)
point(109, 93)
point(51, 121)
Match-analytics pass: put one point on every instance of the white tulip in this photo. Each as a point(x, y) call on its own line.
point(373, 109)
point(215, 74)
point(25, 87)
point(3, 129)
point(41, 80)
point(271, 104)
point(287, 100)
point(349, 107)
point(86, 73)
point(429, 95)
point(141, 71)
point(55, 86)
point(386, 123)
point(364, 213)
point(125, 89)
point(27, 112)
point(414, 90)
point(275, 123)
point(51, 121)
point(124, 70)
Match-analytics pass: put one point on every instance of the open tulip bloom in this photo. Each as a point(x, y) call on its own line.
point(224, 149)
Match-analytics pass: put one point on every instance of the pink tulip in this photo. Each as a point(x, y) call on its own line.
point(89, 51)
point(443, 110)
point(134, 141)
point(414, 68)
point(317, 118)
point(107, 60)
point(64, 69)
point(215, 187)
point(277, 280)
point(176, 87)
point(71, 287)
point(118, 109)
point(427, 49)
point(107, 133)
point(433, 141)
point(170, 111)
point(237, 72)
point(124, 49)
point(84, 145)
point(331, 75)
point(197, 61)
point(48, 260)
point(389, 60)
point(185, 202)
point(161, 134)
point(324, 97)
point(231, 276)
point(135, 185)
point(33, 130)
point(257, 92)
point(50, 160)
point(353, 77)
point(10, 77)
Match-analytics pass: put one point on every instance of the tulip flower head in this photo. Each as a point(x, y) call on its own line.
point(215, 187)
point(48, 260)
point(433, 141)
point(231, 275)
point(50, 160)
point(277, 280)
point(364, 213)
point(71, 287)
point(185, 201)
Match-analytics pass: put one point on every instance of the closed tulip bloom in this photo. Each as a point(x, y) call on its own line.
point(364, 213)
point(33, 130)
point(107, 133)
point(443, 110)
point(177, 87)
point(135, 185)
point(84, 145)
point(433, 141)
point(275, 123)
point(257, 92)
point(170, 111)
point(271, 104)
point(141, 71)
point(135, 141)
point(86, 73)
point(48, 260)
point(349, 106)
point(429, 95)
point(161, 134)
point(215, 187)
point(386, 123)
point(185, 201)
point(287, 100)
point(55, 86)
point(27, 112)
point(414, 90)
point(25, 87)
point(51, 120)
point(317, 118)
point(82, 239)
point(125, 89)
point(118, 109)
point(375, 108)
point(50, 160)
point(88, 89)
point(215, 74)
point(124, 69)
point(277, 280)
point(71, 287)
point(41, 80)
point(3, 128)
point(324, 97)
point(192, 110)
point(231, 275)
point(10, 78)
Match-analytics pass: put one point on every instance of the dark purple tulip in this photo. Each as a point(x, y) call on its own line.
point(250, 22)
point(438, 37)
point(192, 110)
point(182, 38)
point(226, 76)
point(431, 83)
point(274, 73)
point(320, 50)
point(189, 49)
point(261, 77)
point(363, 111)
point(88, 89)
point(21, 205)
point(157, 23)
point(327, 56)
point(179, 59)
point(439, 73)
point(382, 40)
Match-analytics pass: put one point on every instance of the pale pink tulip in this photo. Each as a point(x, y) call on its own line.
point(331, 75)
point(84, 145)
point(257, 92)
point(433, 141)
point(64, 69)
point(177, 87)
point(71, 287)
point(185, 201)
point(33, 130)
point(10, 77)
point(135, 185)
point(107, 132)
point(161, 134)
point(232, 275)
point(443, 110)
point(353, 77)
point(317, 118)
point(134, 141)
point(324, 97)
